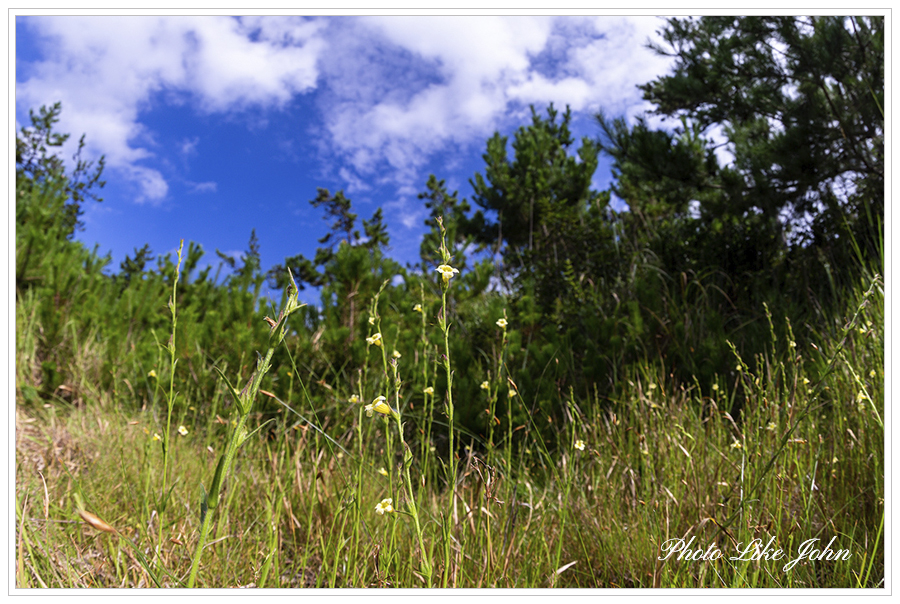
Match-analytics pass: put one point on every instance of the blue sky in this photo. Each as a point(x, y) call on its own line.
point(213, 126)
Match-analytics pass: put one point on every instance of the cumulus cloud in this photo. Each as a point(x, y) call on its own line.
point(392, 91)
point(106, 70)
point(437, 82)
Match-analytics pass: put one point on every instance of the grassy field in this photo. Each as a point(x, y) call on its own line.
point(659, 487)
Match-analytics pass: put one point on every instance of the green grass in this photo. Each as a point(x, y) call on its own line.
point(804, 459)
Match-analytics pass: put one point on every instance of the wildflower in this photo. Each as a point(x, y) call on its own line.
point(502, 323)
point(152, 374)
point(374, 339)
point(386, 506)
point(447, 272)
point(354, 399)
point(156, 436)
point(371, 320)
point(715, 387)
point(182, 430)
point(792, 344)
point(395, 354)
point(485, 386)
point(382, 471)
point(860, 396)
point(429, 390)
point(579, 444)
point(652, 386)
point(378, 405)
point(511, 393)
point(418, 308)
point(737, 445)
point(771, 427)
point(872, 373)
point(805, 381)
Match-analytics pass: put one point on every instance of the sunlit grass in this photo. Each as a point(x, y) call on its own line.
point(344, 486)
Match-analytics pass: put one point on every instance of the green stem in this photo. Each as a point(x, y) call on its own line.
point(170, 401)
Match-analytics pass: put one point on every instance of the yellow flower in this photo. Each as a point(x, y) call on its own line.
point(156, 436)
point(771, 427)
point(715, 387)
point(485, 386)
point(374, 339)
point(502, 323)
point(152, 374)
point(418, 308)
point(182, 430)
point(385, 507)
point(872, 373)
point(395, 354)
point(371, 320)
point(429, 390)
point(737, 445)
point(579, 444)
point(447, 271)
point(382, 471)
point(378, 405)
point(354, 399)
point(511, 393)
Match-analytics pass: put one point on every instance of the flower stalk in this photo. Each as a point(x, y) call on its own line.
point(243, 406)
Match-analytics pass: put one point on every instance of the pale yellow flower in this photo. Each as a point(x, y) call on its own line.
point(485, 386)
point(380, 405)
point(715, 387)
point(579, 444)
point(152, 374)
point(354, 399)
point(418, 308)
point(382, 471)
point(371, 320)
point(395, 354)
point(872, 373)
point(447, 272)
point(385, 507)
point(429, 390)
point(737, 445)
point(374, 339)
point(511, 393)
point(771, 427)
point(502, 323)
point(182, 430)
point(156, 436)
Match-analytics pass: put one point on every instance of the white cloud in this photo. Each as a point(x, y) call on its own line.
point(392, 91)
point(203, 187)
point(189, 145)
point(474, 72)
point(106, 70)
